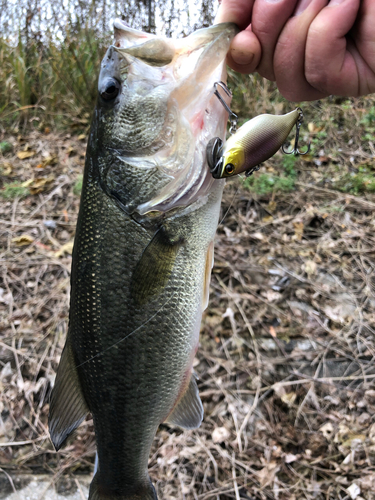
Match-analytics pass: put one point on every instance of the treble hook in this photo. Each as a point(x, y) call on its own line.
point(232, 116)
point(295, 149)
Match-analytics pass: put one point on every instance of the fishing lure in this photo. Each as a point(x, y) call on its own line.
point(253, 143)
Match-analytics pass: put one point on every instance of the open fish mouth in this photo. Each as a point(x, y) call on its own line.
point(175, 80)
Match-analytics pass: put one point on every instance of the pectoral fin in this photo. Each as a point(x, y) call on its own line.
point(154, 269)
point(68, 407)
point(188, 412)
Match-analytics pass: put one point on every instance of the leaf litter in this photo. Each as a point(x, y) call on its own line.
point(286, 362)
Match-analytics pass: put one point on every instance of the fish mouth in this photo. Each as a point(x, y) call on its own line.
point(186, 70)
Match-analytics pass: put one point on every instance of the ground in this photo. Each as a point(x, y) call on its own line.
point(286, 362)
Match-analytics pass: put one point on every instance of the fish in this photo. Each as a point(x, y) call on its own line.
point(257, 140)
point(143, 252)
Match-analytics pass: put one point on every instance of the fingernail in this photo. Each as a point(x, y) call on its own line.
point(301, 6)
point(335, 2)
point(241, 57)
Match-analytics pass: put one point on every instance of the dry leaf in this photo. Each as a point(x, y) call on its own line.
point(272, 205)
point(82, 137)
point(268, 473)
point(354, 490)
point(257, 236)
point(272, 296)
point(288, 398)
point(50, 160)
point(339, 313)
point(327, 430)
point(313, 129)
point(27, 183)
point(272, 332)
point(220, 434)
point(68, 248)
point(267, 219)
point(23, 240)
point(22, 155)
point(298, 230)
point(289, 458)
point(309, 267)
point(40, 184)
point(6, 168)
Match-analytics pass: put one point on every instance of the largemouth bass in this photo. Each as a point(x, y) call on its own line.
point(143, 252)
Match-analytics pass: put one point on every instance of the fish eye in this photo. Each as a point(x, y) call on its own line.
point(111, 88)
point(229, 168)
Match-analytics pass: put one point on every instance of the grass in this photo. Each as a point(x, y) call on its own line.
point(50, 84)
point(13, 190)
point(265, 183)
point(77, 188)
point(5, 147)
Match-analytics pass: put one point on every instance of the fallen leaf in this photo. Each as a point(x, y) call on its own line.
point(273, 332)
point(313, 129)
point(40, 184)
point(289, 458)
point(27, 183)
point(22, 155)
point(68, 248)
point(267, 219)
point(23, 240)
point(309, 267)
point(339, 313)
point(268, 473)
point(220, 434)
point(6, 168)
point(82, 137)
point(288, 398)
point(272, 296)
point(50, 160)
point(354, 490)
point(298, 230)
point(327, 430)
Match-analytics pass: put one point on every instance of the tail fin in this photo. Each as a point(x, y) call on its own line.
point(143, 491)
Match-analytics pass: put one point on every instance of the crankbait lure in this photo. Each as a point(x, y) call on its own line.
point(253, 143)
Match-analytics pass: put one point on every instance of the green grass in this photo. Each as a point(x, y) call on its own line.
point(356, 183)
point(265, 183)
point(13, 190)
point(50, 84)
point(5, 147)
point(77, 188)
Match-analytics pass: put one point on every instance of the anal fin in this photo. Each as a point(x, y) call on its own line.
point(68, 407)
point(188, 412)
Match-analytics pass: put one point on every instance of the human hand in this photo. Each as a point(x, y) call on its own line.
point(311, 48)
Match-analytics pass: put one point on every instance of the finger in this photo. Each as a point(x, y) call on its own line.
point(326, 41)
point(289, 57)
point(245, 52)
point(235, 11)
point(268, 20)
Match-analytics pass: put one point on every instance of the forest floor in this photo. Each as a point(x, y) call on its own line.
point(286, 361)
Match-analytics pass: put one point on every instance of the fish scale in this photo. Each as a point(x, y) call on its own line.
point(140, 278)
